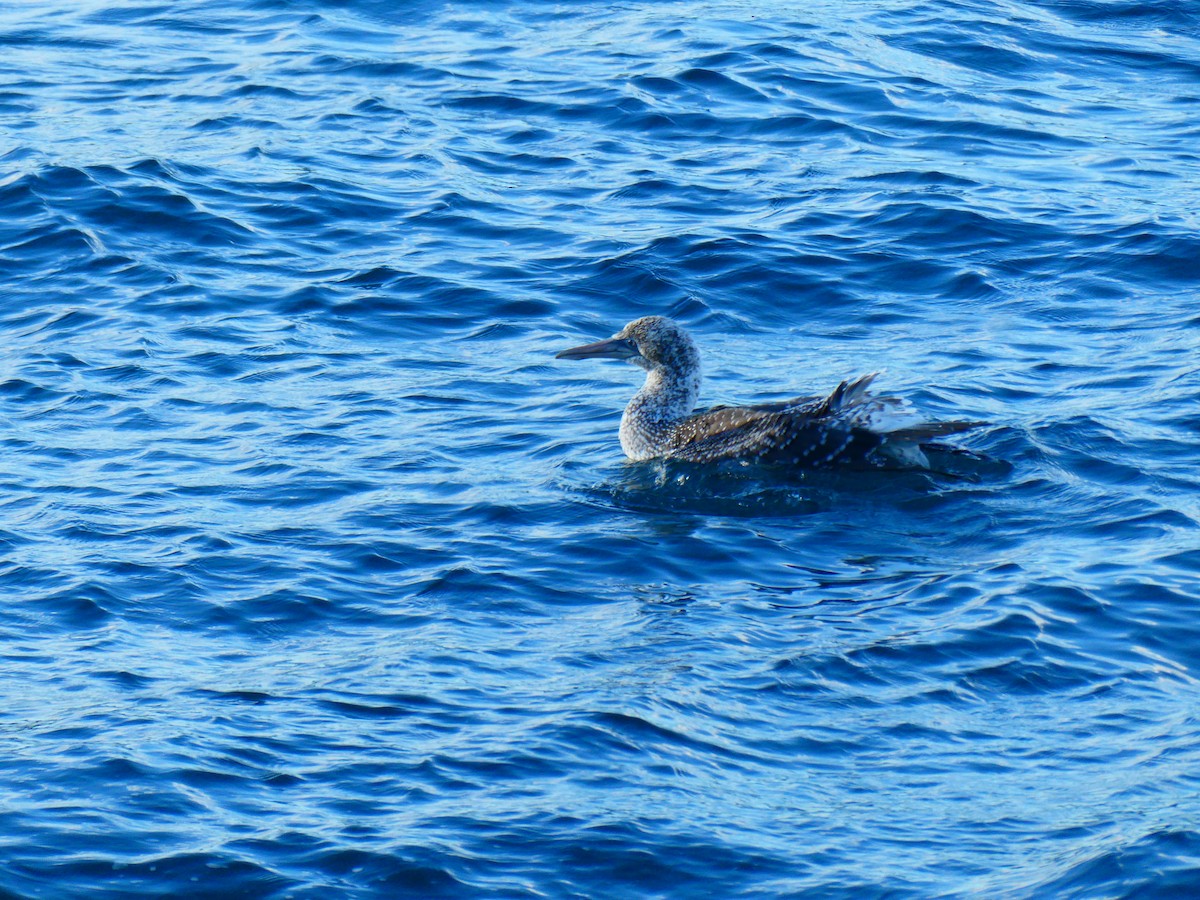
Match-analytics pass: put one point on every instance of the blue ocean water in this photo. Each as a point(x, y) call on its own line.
point(322, 578)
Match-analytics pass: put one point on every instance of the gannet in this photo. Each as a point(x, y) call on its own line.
point(850, 427)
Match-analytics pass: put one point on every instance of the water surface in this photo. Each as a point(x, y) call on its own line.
point(323, 578)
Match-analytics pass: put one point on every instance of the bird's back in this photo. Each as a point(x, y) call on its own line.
point(849, 427)
point(770, 435)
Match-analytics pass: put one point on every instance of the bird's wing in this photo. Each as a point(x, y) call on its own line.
point(750, 433)
point(850, 425)
point(798, 404)
point(722, 433)
point(847, 397)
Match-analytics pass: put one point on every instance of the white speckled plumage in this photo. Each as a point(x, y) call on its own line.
point(850, 426)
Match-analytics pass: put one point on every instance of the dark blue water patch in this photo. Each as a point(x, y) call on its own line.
point(1139, 15)
point(1157, 256)
point(984, 54)
point(61, 241)
point(31, 37)
point(1112, 866)
point(178, 873)
point(715, 83)
point(235, 123)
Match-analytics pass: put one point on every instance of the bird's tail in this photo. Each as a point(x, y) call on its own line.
point(903, 430)
point(927, 431)
point(848, 394)
point(907, 445)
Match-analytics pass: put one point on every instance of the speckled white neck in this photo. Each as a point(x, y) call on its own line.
point(666, 399)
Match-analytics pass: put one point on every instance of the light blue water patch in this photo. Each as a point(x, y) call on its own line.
point(323, 578)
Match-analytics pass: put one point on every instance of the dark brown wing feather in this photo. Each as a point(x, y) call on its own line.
point(929, 430)
point(804, 431)
point(724, 433)
point(753, 433)
point(792, 403)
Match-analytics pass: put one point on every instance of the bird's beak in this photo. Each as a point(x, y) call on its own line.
point(613, 348)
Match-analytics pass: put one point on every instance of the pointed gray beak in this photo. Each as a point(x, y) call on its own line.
point(613, 348)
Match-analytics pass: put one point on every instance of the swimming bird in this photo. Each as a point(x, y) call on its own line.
point(849, 427)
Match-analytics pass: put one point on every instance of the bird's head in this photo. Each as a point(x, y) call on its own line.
point(650, 342)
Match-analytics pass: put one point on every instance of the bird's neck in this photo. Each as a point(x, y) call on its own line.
point(665, 400)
